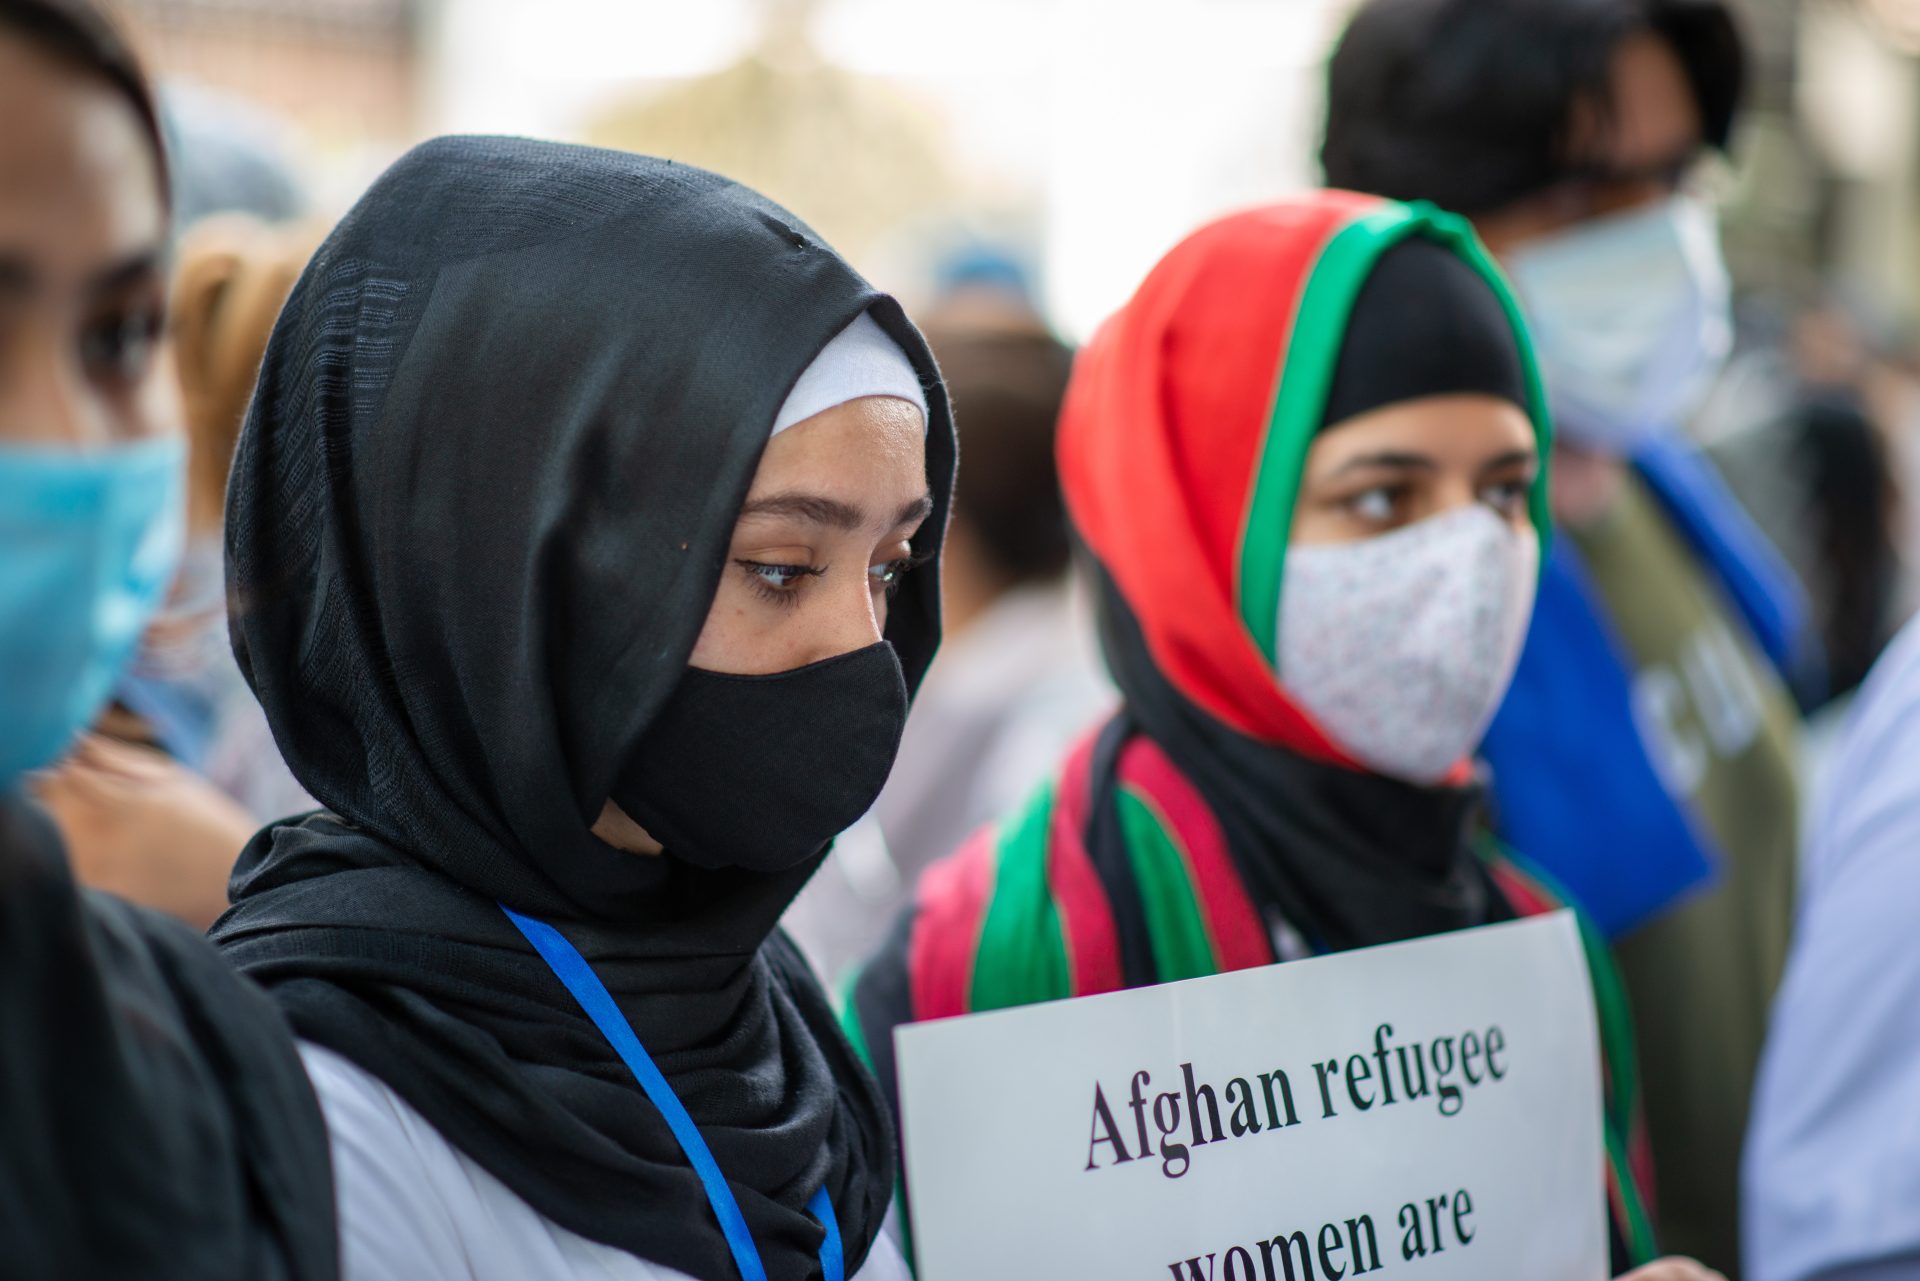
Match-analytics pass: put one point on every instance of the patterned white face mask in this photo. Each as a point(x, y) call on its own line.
point(1402, 646)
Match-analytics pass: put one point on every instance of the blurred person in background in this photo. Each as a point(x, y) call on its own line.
point(238, 248)
point(156, 802)
point(1894, 392)
point(155, 1120)
point(1822, 479)
point(1853, 510)
point(1313, 583)
point(1018, 676)
point(586, 523)
point(233, 274)
point(228, 155)
point(1646, 754)
point(1832, 1166)
point(140, 825)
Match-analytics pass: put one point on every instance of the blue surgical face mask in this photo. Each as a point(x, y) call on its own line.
point(1631, 320)
point(89, 541)
point(182, 674)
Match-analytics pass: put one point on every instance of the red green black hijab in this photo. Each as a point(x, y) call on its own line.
point(1212, 824)
point(1189, 421)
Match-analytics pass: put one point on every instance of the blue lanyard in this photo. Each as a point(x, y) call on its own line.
point(573, 971)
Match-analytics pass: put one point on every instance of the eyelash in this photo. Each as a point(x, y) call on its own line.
point(761, 574)
point(1501, 496)
point(1394, 495)
point(898, 569)
point(118, 348)
point(1511, 493)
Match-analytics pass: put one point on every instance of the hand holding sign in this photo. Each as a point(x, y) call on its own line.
point(1430, 1108)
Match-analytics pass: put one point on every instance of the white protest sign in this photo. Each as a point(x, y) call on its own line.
point(1426, 1110)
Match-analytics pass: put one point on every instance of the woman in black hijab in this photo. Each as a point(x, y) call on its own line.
point(551, 620)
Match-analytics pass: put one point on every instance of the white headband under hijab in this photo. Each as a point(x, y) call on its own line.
point(862, 360)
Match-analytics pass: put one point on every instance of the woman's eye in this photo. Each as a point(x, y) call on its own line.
point(887, 575)
point(119, 348)
point(1508, 497)
point(779, 582)
point(1376, 506)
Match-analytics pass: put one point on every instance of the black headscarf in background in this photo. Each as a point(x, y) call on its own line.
point(478, 513)
point(155, 1121)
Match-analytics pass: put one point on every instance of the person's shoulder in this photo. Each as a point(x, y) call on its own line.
point(1827, 1181)
point(413, 1207)
point(1873, 788)
point(378, 1140)
point(49, 921)
point(33, 866)
point(349, 1094)
point(884, 1262)
point(43, 920)
point(1894, 684)
point(389, 1169)
point(1889, 705)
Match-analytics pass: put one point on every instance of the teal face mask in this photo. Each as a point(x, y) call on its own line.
point(89, 540)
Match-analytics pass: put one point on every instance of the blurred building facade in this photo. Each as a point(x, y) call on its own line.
point(1829, 185)
point(344, 77)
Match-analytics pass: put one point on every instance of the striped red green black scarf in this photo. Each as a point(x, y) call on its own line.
point(1022, 914)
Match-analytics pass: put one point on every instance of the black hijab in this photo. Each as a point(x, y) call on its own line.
point(1423, 324)
point(478, 513)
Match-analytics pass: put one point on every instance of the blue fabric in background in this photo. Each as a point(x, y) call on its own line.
point(1764, 590)
point(1575, 785)
point(180, 713)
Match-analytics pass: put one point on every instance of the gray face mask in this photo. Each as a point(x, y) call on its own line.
point(1631, 320)
point(1402, 646)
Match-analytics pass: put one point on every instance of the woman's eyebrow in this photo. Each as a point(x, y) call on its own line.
point(18, 279)
point(814, 508)
point(818, 509)
point(134, 268)
point(916, 511)
point(1512, 458)
point(1385, 458)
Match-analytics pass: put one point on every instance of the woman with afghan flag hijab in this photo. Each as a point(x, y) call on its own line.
point(1306, 461)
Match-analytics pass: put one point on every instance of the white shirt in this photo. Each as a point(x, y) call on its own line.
point(1831, 1179)
point(414, 1208)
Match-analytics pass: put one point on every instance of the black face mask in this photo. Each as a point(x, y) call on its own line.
point(760, 772)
